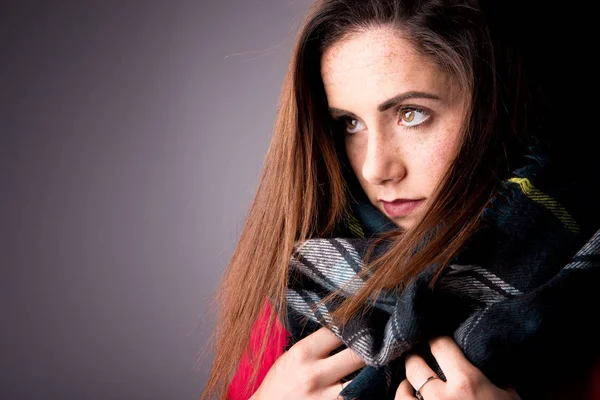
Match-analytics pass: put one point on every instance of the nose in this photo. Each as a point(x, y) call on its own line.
point(383, 160)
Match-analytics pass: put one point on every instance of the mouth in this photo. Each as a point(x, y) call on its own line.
point(401, 207)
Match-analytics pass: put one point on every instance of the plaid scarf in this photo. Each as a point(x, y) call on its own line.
point(519, 299)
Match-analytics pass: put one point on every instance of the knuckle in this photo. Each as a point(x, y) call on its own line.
point(299, 351)
point(310, 379)
point(411, 365)
point(464, 387)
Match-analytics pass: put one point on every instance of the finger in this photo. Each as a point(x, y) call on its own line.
point(320, 343)
point(339, 365)
point(335, 389)
point(514, 393)
point(405, 391)
point(417, 372)
point(451, 358)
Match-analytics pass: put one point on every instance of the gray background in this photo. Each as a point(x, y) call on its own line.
point(132, 134)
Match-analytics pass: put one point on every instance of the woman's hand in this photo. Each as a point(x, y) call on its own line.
point(463, 380)
point(308, 371)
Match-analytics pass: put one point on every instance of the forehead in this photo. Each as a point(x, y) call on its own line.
point(377, 63)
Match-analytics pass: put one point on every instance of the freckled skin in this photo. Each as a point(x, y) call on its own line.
point(391, 160)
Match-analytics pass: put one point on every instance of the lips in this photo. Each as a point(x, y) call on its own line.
point(401, 207)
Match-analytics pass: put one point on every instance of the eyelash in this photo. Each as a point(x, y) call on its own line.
point(402, 109)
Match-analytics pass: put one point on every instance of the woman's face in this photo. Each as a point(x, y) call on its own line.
point(401, 116)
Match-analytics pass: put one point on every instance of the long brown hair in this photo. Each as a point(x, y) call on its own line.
point(301, 191)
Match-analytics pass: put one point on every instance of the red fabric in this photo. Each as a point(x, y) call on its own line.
point(592, 384)
point(584, 386)
point(595, 386)
point(237, 388)
point(589, 388)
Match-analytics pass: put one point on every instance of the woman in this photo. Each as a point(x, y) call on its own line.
point(417, 200)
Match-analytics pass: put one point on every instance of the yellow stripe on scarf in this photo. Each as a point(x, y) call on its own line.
point(353, 222)
point(354, 226)
point(554, 206)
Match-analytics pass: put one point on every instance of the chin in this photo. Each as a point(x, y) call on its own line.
point(402, 222)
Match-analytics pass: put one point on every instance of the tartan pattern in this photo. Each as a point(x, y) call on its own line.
point(493, 298)
point(548, 202)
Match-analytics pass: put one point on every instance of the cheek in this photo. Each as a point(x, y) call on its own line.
point(355, 156)
point(440, 156)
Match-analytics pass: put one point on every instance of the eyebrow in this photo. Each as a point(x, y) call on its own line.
point(389, 103)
